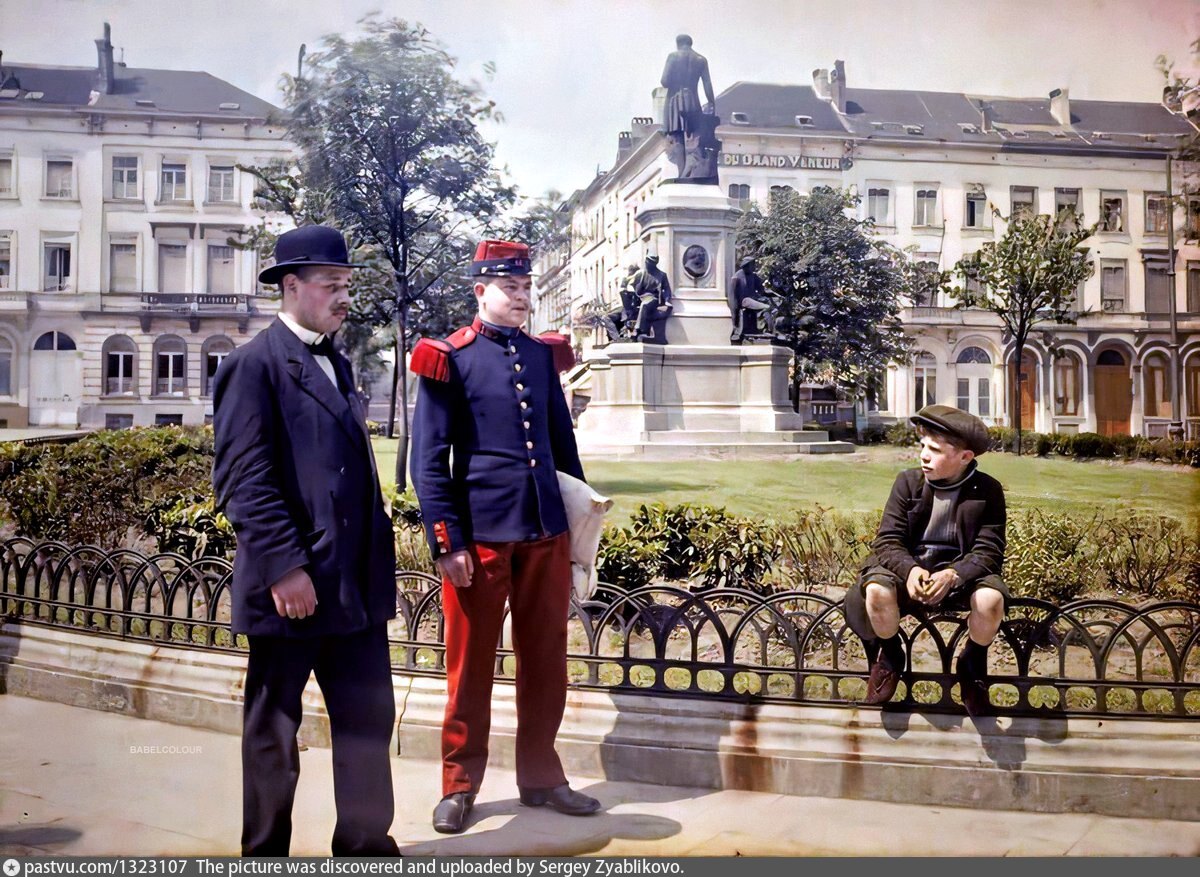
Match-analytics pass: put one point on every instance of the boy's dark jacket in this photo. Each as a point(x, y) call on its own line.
point(980, 517)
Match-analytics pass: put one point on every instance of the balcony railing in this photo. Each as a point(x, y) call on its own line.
point(188, 300)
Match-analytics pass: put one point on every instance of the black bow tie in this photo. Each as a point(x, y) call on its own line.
point(324, 347)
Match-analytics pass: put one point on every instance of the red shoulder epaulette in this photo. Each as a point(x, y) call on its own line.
point(560, 348)
point(431, 358)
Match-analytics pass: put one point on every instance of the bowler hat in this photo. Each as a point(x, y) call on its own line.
point(307, 245)
point(494, 257)
point(955, 422)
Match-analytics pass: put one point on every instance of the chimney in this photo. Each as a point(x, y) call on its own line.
point(624, 145)
point(987, 116)
point(104, 64)
point(1060, 107)
point(821, 83)
point(837, 86)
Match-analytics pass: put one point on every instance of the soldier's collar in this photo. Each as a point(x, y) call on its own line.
point(496, 333)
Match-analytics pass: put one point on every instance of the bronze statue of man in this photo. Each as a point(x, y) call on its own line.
point(685, 69)
point(653, 290)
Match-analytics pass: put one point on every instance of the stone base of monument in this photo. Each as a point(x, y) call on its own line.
point(689, 400)
point(697, 395)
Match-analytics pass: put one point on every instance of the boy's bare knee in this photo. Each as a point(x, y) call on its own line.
point(989, 603)
point(879, 597)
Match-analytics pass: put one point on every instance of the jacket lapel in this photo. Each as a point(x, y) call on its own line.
point(303, 367)
point(918, 516)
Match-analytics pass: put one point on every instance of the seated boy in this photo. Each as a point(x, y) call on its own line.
point(940, 545)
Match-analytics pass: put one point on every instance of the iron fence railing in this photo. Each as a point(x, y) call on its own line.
point(1086, 658)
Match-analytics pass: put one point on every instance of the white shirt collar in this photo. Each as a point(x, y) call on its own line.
point(308, 336)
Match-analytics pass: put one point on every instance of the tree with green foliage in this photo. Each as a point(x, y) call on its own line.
point(391, 152)
point(840, 289)
point(1028, 277)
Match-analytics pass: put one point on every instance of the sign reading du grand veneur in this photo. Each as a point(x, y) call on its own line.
point(790, 162)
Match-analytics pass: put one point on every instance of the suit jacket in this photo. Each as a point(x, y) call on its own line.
point(979, 515)
point(294, 472)
point(496, 406)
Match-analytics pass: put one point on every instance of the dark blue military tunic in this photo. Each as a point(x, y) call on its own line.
point(490, 433)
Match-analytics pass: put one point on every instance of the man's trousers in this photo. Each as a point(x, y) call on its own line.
point(535, 579)
point(355, 676)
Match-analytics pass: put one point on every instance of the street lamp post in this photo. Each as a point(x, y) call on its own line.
point(1175, 430)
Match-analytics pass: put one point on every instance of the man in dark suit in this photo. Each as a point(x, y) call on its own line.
point(490, 398)
point(314, 575)
point(940, 545)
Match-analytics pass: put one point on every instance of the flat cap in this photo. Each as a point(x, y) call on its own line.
point(958, 423)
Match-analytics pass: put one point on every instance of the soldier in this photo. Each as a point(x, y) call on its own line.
point(490, 397)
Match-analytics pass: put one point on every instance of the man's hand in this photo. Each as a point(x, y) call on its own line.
point(939, 585)
point(916, 583)
point(457, 567)
point(294, 595)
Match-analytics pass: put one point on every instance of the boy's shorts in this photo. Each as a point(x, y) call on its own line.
point(958, 600)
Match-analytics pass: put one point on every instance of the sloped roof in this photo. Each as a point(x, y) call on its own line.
point(948, 116)
point(173, 91)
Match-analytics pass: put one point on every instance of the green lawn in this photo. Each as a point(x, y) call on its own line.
point(861, 481)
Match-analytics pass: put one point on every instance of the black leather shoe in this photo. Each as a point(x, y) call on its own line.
point(973, 689)
point(450, 815)
point(561, 798)
point(882, 682)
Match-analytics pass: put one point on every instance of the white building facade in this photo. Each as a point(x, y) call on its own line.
point(929, 169)
point(120, 194)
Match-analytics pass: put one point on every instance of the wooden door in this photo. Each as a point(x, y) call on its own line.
point(1028, 391)
point(1114, 399)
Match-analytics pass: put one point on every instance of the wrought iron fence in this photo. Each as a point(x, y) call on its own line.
point(1086, 658)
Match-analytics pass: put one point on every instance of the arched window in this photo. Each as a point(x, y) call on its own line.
point(974, 355)
point(170, 366)
point(215, 349)
point(1156, 375)
point(973, 389)
point(54, 341)
point(924, 380)
point(1110, 357)
point(1067, 385)
point(7, 351)
point(1191, 380)
point(120, 366)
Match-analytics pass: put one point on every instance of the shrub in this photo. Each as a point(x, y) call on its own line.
point(738, 555)
point(1050, 557)
point(627, 559)
point(1149, 555)
point(820, 548)
point(100, 489)
point(685, 531)
point(191, 527)
point(902, 433)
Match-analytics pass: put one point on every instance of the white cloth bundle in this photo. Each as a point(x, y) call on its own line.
point(585, 518)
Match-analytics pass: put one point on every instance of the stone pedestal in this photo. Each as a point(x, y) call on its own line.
point(698, 394)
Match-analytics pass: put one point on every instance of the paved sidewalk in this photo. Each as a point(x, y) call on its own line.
point(78, 781)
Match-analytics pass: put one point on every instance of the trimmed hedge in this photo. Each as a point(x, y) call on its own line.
point(1081, 446)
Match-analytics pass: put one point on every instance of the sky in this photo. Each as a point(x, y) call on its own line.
point(570, 74)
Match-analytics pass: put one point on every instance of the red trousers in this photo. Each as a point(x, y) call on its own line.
point(535, 579)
